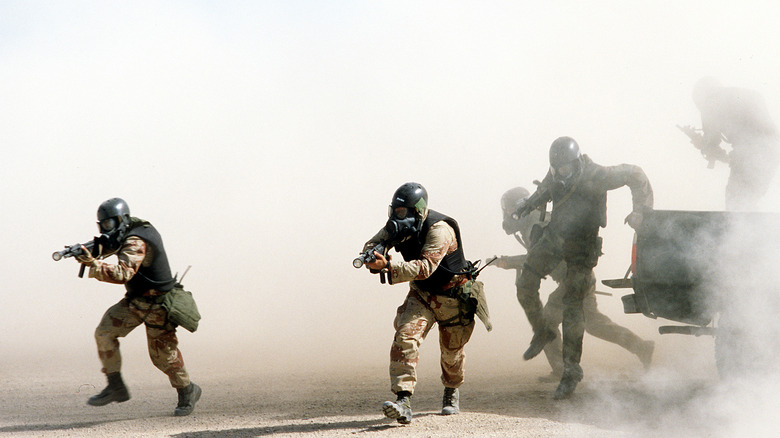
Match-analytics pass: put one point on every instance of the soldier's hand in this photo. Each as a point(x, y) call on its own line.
point(380, 263)
point(634, 220)
point(85, 257)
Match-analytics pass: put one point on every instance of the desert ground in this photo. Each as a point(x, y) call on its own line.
point(616, 399)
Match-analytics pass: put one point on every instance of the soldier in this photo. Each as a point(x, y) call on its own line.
point(441, 290)
point(531, 230)
point(740, 117)
point(144, 270)
point(578, 188)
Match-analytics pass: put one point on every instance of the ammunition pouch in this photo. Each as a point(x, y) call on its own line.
point(181, 308)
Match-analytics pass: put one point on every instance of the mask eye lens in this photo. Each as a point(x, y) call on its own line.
point(107, 224)
point(400, 212)
point(565, 171)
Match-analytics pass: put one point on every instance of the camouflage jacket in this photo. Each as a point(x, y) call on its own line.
point(439, 242)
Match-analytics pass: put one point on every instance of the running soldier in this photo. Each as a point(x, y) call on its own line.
point(442, 290)
point(531, 231)
point(740, 117)
point(578, 188)
point(144, 270)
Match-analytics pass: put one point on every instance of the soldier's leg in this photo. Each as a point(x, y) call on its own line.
point(162, 342)
point(575, 282)
point(117, 322)
point(553, 315)
point(539, 263)
point(600, 326)
point(412, 323)
point(455, 329)
point(456, 324)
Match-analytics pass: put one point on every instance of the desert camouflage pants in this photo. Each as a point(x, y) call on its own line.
point(121, 318)
point(415, 318)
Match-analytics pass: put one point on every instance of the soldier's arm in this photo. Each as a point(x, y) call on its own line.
point(439, 242)
point(130, 257)
point(511, 262)
point(634, 177)
point(378, 237)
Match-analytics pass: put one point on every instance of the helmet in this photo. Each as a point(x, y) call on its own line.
point(411, 196)
point(407, 210)
point(512, 199)
point(703, 88)
point(565, 159)
point(113, 214)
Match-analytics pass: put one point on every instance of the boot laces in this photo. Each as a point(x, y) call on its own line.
point(449, 397)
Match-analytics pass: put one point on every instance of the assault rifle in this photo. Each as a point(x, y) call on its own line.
point(711, 153)
point(539, 198)
point(93, 246)
point(368, 256)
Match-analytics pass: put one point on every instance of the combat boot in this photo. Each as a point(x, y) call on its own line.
point(450, 401)
point(540, 339)
point(401, 409)
point(566, 387)
point(116, 391)
point(188, 396)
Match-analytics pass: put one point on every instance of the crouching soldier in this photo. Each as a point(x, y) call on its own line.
point(442, 290)
point(142, 266)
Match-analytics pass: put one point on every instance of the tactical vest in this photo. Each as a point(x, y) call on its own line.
point(450, 265)
point(156, 276)
point(579, 211)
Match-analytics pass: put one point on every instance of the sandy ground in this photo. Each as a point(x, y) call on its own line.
point(608, 403)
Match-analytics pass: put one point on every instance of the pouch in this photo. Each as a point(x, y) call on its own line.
point(181, 308)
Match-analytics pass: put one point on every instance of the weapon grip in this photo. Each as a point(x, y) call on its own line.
point(81, 271)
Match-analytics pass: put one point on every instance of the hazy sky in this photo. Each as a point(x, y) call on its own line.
point(265, 139)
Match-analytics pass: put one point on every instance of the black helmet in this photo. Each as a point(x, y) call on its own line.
point(112, 214)
point(565, 159)
point(407, 210)
point(411, 195)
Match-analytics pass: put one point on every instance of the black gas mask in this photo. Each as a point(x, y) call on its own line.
point(111, 230)
point(402, 222)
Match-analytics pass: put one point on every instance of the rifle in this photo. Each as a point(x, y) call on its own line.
point(93, 246)
point(711, 153)
point(539, 198)
point(368, 256)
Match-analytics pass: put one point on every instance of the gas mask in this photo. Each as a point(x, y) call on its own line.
point(402, 223)
point(111, 232)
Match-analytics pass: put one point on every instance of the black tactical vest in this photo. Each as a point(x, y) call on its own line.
point(580, 210)
point(156, 276)
point(454, 263)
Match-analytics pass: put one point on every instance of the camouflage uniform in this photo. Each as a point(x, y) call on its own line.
point(548, 259)
point(132, 311)
point(422, 309)
point(741, 118)
point(579, 210)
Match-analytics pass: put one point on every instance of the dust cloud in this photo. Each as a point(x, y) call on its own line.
point(264, 141)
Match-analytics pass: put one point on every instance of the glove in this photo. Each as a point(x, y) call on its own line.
point(634, 220)
point(85, 257)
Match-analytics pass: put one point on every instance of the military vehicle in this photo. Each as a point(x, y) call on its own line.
point(714, 272)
